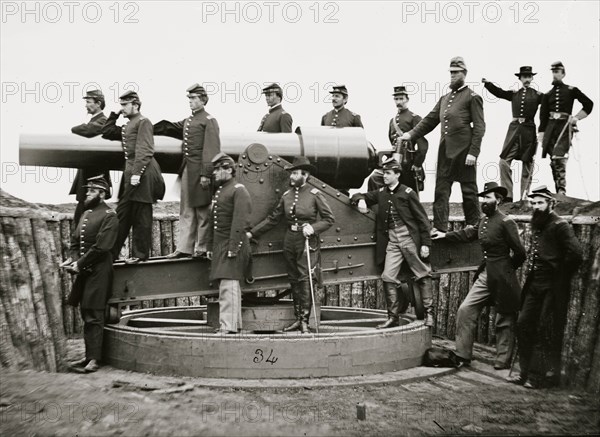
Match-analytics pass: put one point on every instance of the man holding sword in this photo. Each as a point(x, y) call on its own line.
point(307, 215)
point(557, 125)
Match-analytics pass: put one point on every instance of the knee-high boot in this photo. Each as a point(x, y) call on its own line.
point(426, 287)
point(297, 310)
point(306, 306)
point(393, 305)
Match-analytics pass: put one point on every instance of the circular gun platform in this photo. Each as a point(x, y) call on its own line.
point(180, 341)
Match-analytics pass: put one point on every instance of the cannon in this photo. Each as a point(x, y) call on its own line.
point(344, 158)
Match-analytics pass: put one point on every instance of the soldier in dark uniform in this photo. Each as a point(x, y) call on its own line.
point(300, 205)
point(94, 104)
point(142, 183)
point(496, 279)
point(201, 143)
point(410, 155)
point(340, 116)
point(228, 245)
point(91, 260)
point(403, 234)
point(459, 145)
point(520, 142)
point(553, 258)
point(557, 125)
point(276, 120)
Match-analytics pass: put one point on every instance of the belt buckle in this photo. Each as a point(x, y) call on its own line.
point(555, 115)
point(294, 228)
point(521, 120)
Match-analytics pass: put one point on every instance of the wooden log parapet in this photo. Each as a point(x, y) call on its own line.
point(35, 320)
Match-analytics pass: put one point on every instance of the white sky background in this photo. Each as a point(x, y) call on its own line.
point(372, 47)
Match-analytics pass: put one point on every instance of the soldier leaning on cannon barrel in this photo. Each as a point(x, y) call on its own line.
point(553, 257)
point(496, 279)
point(460, 145)
point(403, 234)
point(520, 142)
point(201, 143)
point(228, 245)
point(410, 154)
point(92, 262)
point(276, 120)
point(94, 104)
point(340, 116)
point(307, 214)
point(557, 125)
point(142, 183)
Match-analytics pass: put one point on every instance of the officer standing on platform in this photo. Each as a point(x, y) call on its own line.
point(94, 104)
point(460, 145)
point(142, 183)
point(553, 257)
point(403, 233)
point(201, 143)
point(520, 142)
point(340, 116)
point(92, 262)
point(276, 120)
point(496, 279)
point(228, 245)
point(557, 125)
point(410, 155)
point(300, 205)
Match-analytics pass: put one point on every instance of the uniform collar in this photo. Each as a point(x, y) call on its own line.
point(339, 110)
point(198, 111)
point(400, 111)
point(393, 190)
point(97, 115)
point(134, 116)
point(275, 107)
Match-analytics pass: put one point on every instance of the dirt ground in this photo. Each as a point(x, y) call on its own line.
point(116, 402)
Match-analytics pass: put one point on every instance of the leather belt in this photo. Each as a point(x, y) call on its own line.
point(559, 115)
point(522, 120)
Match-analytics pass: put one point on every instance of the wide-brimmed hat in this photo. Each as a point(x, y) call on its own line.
point(301, 163)
point(98, 182)
point(493, 187)
point(525, 70)
point(541, 191)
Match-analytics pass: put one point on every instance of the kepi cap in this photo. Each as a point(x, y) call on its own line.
point(98, 182)
point(196, 90)
point(94, 94)
point(273, 88)
point(457, 64)
point(129, 96)
point(400, 90)
point(221, 159)
point(390, 164)
point(558, 65)
point(341, 89)
point(541, 191)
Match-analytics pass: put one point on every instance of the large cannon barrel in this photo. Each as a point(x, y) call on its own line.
point(343, 157)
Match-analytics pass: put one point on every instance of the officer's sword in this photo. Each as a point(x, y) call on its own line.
point(310, 281)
